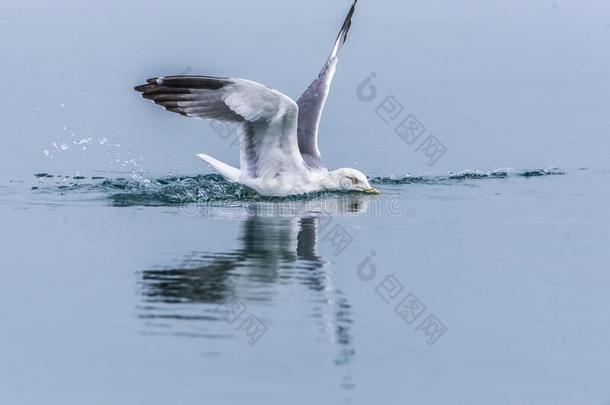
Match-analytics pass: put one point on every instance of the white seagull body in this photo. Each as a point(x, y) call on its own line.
point(278, 137)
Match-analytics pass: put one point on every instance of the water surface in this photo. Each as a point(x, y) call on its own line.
point(123, 288)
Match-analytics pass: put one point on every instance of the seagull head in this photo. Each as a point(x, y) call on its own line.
point(351, 180)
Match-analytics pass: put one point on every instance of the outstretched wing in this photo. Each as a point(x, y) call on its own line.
point(267, 118)
point(311, 103)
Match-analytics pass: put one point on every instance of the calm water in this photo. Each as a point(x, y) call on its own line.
point(130, 275)
point(111, 291)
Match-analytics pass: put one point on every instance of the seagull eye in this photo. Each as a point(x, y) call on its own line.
point(354, 180)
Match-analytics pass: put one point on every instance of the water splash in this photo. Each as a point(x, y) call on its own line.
point(177, 190)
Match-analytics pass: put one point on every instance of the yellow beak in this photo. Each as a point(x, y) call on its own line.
point(371, 191)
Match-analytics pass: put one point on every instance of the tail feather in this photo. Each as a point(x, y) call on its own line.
point(230, 173)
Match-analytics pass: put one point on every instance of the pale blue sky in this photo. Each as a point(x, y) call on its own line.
point(520, 84)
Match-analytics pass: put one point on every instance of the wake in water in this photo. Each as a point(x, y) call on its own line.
point(176, 190)
point(467, 175)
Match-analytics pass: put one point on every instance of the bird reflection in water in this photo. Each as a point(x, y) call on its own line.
point(278, 246)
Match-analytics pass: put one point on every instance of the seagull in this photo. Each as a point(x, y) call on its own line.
point(278, 138)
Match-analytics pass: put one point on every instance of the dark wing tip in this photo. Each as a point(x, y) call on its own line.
point(142, 88)
point(190, 96)
point(347, 23)
point(192, 82)
point(184, 82)
point(175, 110)
point(348, 20)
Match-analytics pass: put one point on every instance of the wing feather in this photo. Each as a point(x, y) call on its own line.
point(267, 118)
point(311, 103)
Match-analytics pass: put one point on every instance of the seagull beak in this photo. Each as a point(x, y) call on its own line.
point(371, 190)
